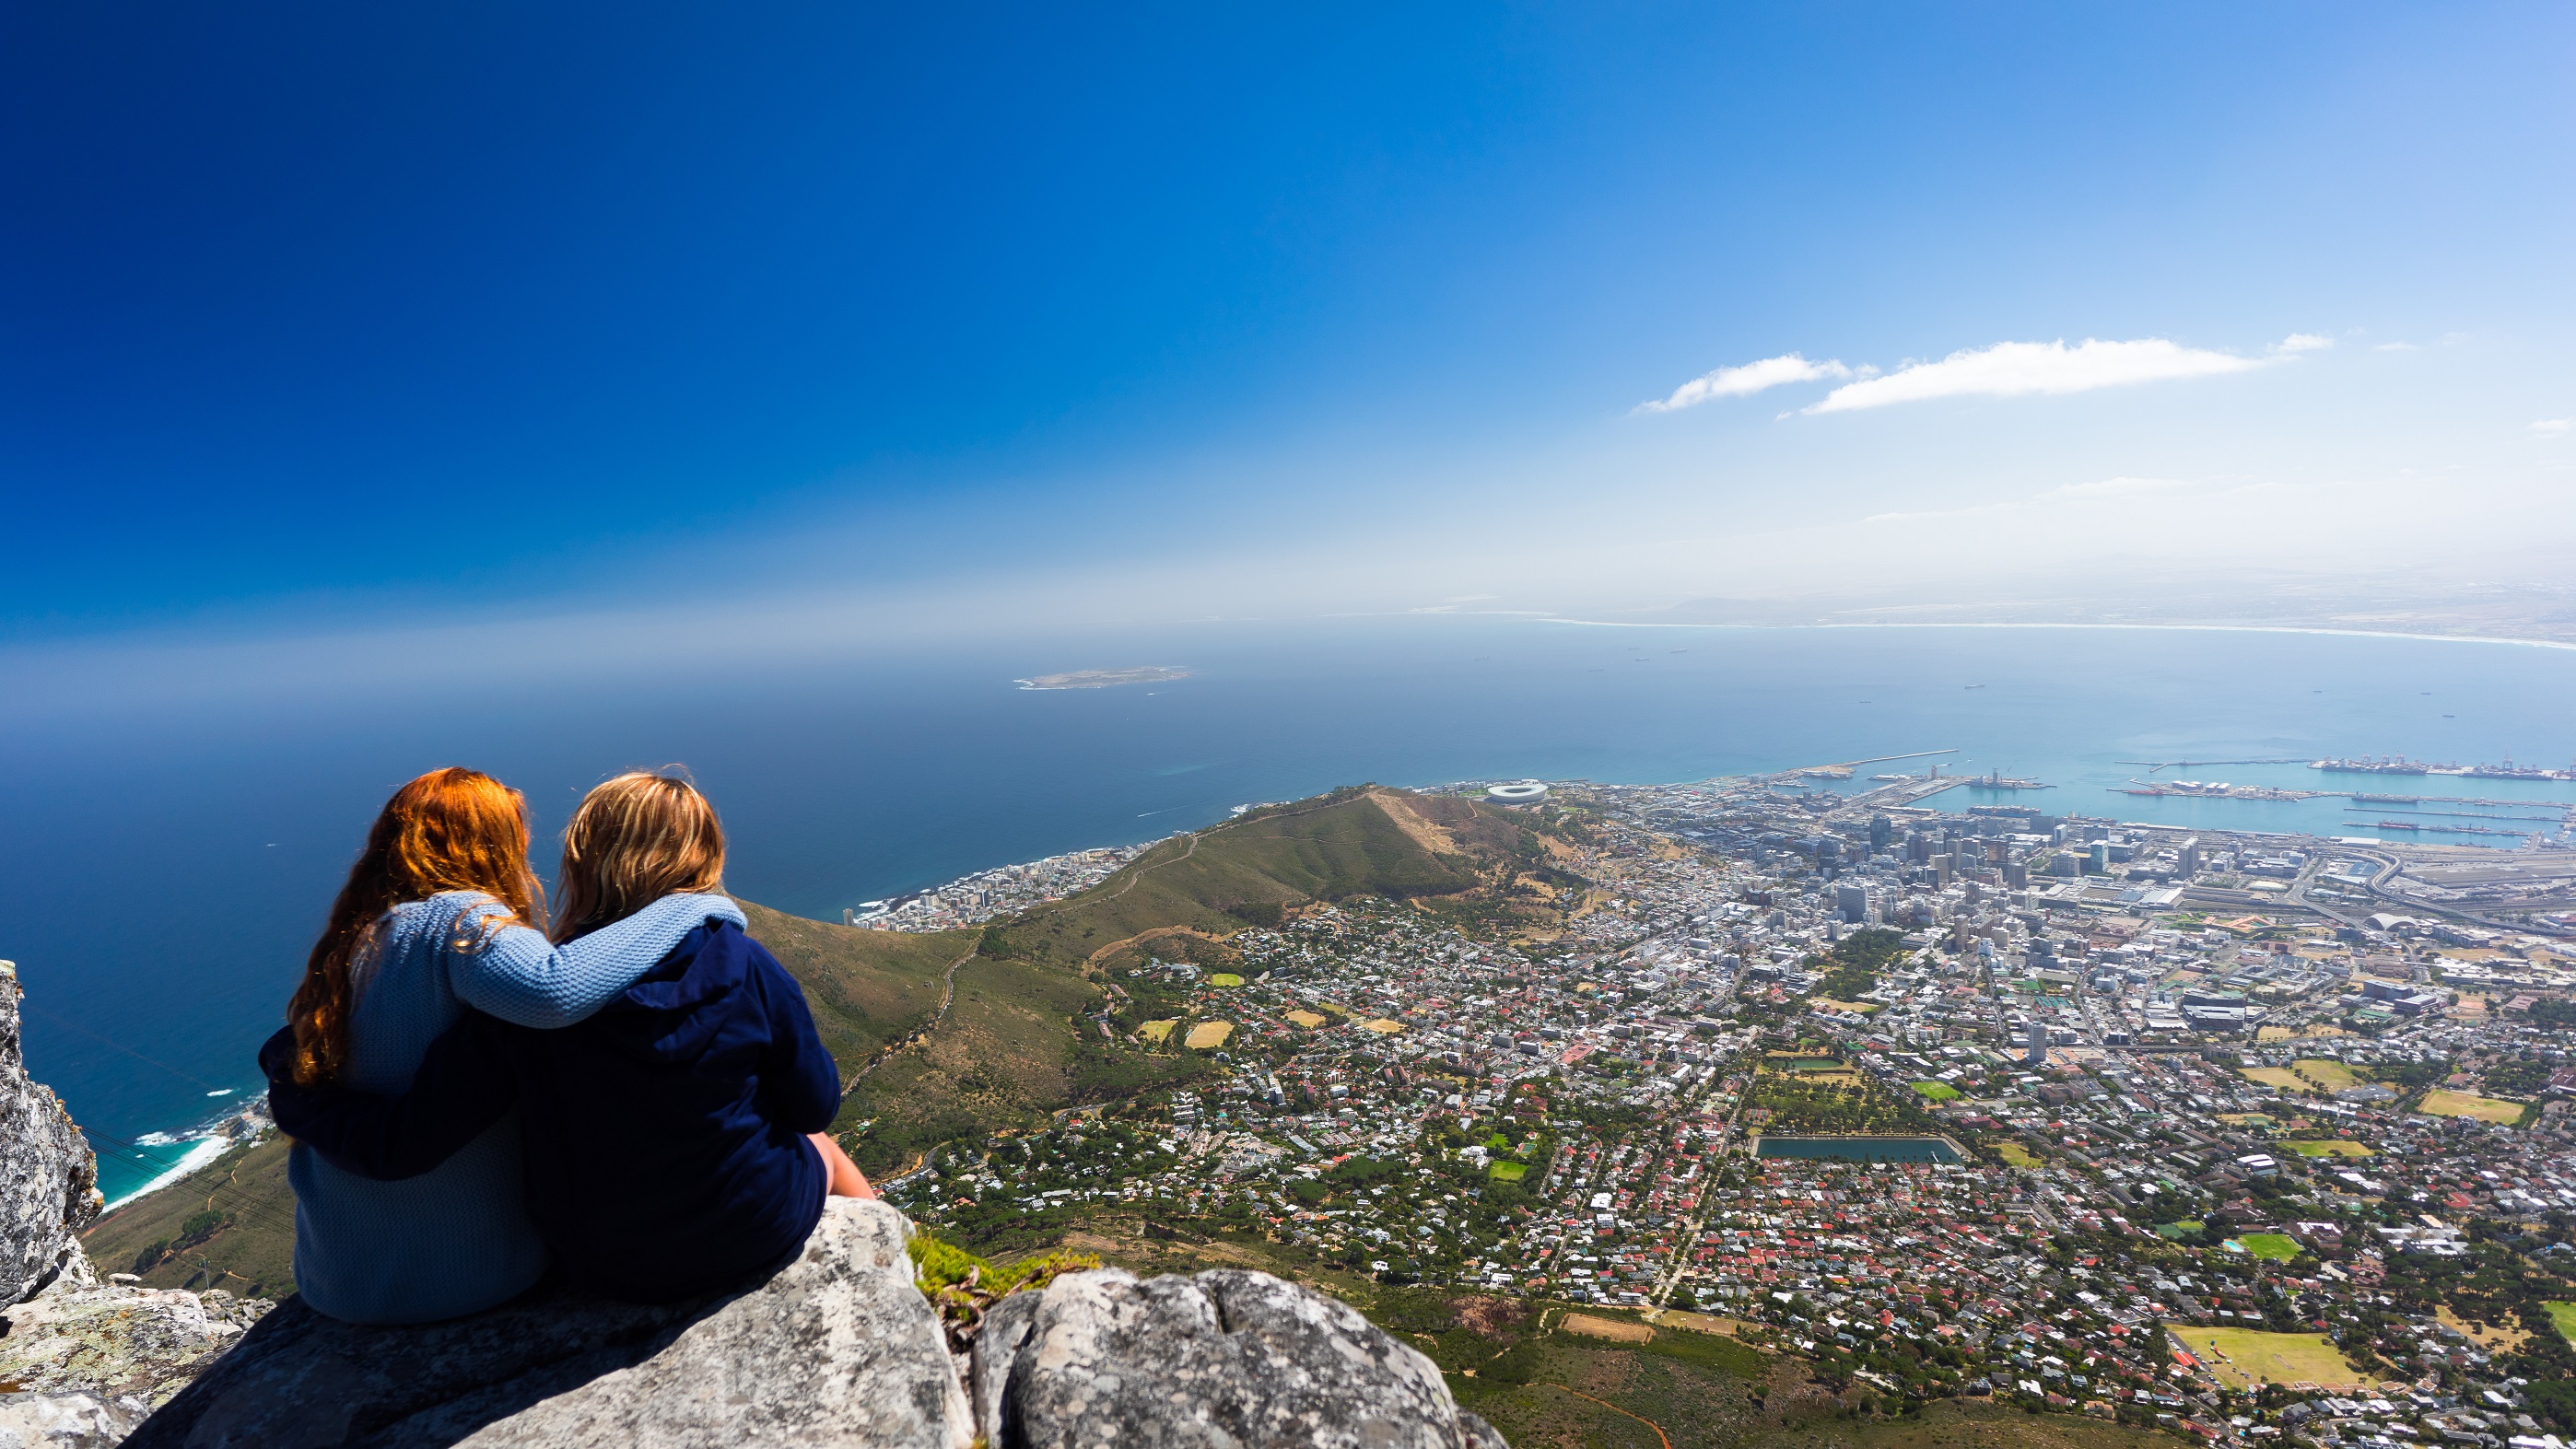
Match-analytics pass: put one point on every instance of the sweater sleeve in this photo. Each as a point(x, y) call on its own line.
point(514, 974)
point(463, 1087)
point(800, 1087)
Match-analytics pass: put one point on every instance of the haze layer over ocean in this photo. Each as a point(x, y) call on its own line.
point(165, 872)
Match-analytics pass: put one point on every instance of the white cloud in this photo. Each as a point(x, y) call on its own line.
point(1745, 381)
point(2016, 369)
point(2552, 427)
point(2303, 342)
point(2394, 347)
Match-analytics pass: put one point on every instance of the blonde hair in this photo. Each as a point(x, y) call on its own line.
point(637, 838)
point(450, 830)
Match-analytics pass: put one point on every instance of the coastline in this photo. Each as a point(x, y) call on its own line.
point(200, 1151)
point(200, 1143)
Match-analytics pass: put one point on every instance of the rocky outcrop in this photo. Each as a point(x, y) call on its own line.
point(840, 1349)
point(48, 1176)
point(81, 1362)
point(90, 1361)
point(1226, 1358)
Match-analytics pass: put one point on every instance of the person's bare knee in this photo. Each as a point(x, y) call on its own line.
point(845, 1178)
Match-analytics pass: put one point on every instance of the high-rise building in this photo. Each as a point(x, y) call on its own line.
point(1851, 900)
point(1881, 830)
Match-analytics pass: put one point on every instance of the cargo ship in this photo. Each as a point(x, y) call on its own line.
point(2400, 765)
point(2213, 790)
point(2373, 765)
point(2412, 827)
point(2511, 771)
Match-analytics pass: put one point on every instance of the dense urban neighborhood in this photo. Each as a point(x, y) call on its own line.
point(1987, 1104)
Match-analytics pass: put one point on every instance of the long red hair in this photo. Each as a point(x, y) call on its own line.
point(450, 830)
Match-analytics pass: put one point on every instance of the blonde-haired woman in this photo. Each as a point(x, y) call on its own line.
point(673, 1141)
point(439, 915)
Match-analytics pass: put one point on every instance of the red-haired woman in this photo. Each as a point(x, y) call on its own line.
point(441, 913)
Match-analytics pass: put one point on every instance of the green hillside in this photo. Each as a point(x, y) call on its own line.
point(229, 1225)
point(1355, 841)
point(867, 989)
point(1016, 1044)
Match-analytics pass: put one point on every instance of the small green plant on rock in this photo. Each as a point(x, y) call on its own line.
point(964, 1288)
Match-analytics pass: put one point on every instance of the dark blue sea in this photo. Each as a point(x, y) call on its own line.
point(164, 867)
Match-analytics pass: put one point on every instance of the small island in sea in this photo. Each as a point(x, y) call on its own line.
point(1105, 678)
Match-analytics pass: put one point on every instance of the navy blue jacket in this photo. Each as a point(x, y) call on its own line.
point(663, 1137)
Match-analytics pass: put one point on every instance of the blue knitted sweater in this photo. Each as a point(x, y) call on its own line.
point(456, 1239)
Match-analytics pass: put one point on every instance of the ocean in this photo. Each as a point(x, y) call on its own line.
point(164, 873)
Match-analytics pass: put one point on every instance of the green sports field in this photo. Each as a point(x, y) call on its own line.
point(2442, 1103)
point(2245, 1357)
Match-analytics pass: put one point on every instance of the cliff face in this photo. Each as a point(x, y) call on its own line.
point(48, 1176)
point(82, 1362)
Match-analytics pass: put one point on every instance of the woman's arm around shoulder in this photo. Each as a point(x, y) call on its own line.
point(514, 973)
point(462, 1087)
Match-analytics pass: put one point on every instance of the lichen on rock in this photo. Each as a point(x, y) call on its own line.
point(48, 1175)
point(837, 1349)
point(81, 1362)
point(1227, 1357)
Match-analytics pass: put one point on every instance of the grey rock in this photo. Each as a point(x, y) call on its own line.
point(48, 1176)
point(1222, 1360)
point(66, 1421)
point(84, 1362)
point(129, 1347)
point(837, 1349)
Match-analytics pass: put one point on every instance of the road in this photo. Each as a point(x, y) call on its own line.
point(947, 995)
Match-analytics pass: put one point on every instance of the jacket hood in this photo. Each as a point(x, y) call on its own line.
point(676, 1012)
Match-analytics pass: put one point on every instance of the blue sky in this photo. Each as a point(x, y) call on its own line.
point(328, 318)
